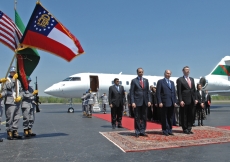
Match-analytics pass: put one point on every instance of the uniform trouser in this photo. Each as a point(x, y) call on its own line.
point(89, 109)
point(116, 114)
point(199, 113)
point(187, 116)
point(140, 116)
point(155, 113)
point(1, 112)
point(104, 107)
point(84, 107)
point(167, 119)
point(28, 117)
point(207, 108)
point(12, 117)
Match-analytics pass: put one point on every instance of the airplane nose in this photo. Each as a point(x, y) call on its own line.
point(51, 90)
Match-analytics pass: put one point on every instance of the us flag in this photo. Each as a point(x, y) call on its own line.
point(10, 35)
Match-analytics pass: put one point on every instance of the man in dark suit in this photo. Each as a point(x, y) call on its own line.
point(116, 97)
point(186, 97)
point(207, 102)
point(140, 99)
point(166, 97)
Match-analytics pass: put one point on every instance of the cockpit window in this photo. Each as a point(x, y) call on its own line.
point(73, 79)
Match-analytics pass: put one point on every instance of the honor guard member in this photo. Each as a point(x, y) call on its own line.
point(3, 80)
point(125, 104)
point(12, 95)
point(90, 100)
point(84, 104)
point(28, 109)
point(104, 98)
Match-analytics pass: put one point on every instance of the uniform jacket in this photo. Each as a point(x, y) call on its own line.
point(90, 98)
point(116, 97)
point(200, 99)
point(185, 93)
point(9, 90)
point(28, 98)
point(138, 94)
point(104, 99)
point(165, 94)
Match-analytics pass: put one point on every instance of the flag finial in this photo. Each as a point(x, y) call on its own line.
point(15, 4)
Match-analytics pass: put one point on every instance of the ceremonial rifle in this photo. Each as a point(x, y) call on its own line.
point(37, 97)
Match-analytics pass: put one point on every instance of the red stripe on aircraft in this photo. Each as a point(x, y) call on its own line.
point(225, 70)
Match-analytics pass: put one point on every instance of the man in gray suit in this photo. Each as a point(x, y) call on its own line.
point(140, 99)
point(116, 97)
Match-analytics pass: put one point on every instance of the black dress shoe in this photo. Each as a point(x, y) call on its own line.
point(190, 132)
point(143, 134)
point(113, 126)
point(119, 126)
point(186, 132)
point(171, 134)
point(166, 134)
point(137, 135)
point(193, 125)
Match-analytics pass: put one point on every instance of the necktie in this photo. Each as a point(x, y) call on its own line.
point(189, 82)
point(169, 84)
point(141, 83)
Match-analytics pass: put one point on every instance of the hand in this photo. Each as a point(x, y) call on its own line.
point(18, 99)
point(149, 104)
point(133, 105)
point(160, 105)
point(182, 104)
point(0, 95)
point(111, 105)
point(3, 80)
point(202, 105)
point(35, 92)
point(196, 102)
point(15, 76)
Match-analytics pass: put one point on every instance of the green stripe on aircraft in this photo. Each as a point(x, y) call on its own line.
point(222, 70)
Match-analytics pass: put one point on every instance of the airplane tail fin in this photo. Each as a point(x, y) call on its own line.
point(222, 69)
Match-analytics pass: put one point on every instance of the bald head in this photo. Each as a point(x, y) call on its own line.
point(167, 74)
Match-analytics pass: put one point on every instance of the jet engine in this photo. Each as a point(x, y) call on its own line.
point(212, 83)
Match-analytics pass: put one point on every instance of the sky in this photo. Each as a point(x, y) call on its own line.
point(122, 35)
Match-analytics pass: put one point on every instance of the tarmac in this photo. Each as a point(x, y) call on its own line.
point(63, 136)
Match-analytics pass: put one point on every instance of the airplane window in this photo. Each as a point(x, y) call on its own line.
point(127, 82)
point(154, 83)
point(76, 79)
point(67, 79)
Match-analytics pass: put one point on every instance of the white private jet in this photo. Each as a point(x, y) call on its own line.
point(217, 82)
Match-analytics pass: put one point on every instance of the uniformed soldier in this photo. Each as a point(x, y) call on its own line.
point(28, 109)
point(84, 104)
point(90, 102)
point(11, 92)
point(104, 98)
point(1, 104)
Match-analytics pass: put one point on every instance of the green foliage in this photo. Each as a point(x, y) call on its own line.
point(50, 99)
point(217, 98)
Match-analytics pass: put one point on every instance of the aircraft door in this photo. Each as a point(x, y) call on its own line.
point(94, 83)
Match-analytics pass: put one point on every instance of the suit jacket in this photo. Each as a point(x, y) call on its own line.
point(154, 98)
point(138, 94)
point(199, 98)
point(116, 97)
point(165, 94)
point(208, 98)
point(185, 93)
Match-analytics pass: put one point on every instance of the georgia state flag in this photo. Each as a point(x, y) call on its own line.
point(46, 33)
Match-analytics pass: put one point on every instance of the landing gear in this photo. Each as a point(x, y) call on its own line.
point(71, 109)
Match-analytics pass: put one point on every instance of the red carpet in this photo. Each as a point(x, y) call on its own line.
point(127, 122)
point(224, 127)
point(127, 142)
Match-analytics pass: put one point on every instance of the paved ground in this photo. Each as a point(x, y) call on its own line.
point(62, 136)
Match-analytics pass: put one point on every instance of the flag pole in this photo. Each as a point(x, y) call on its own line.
point(15, 4)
